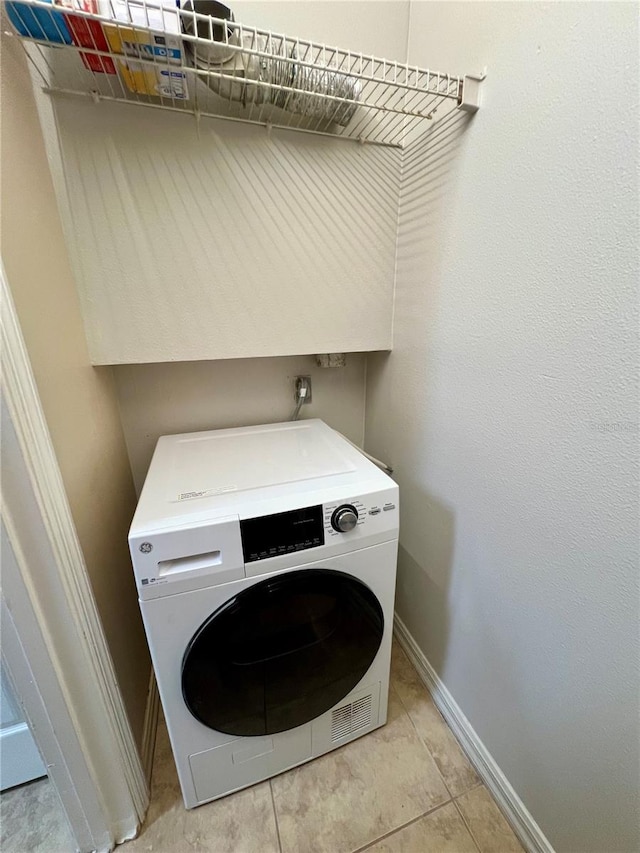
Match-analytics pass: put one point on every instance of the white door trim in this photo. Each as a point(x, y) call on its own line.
point(57, 742)
point(49, 565)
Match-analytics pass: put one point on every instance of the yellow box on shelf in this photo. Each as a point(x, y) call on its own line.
point(142, 32)
point(160, 82)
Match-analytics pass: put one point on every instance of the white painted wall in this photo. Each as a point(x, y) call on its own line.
point(377, 27)
point(165, 399)
point(508, 406)
point(215, 240)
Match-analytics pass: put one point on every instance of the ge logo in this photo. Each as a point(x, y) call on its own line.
point(146, 547)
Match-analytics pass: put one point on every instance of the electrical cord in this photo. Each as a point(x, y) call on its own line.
point(383, 465)
point(301, 392)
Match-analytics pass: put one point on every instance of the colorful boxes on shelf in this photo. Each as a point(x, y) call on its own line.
point(155, 35)
point(139, 32)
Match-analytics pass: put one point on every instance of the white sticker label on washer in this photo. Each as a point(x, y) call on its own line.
point(206, 493)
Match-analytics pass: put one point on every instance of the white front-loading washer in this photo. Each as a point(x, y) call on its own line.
point(265, 561)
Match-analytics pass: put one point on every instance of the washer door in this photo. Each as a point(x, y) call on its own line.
point(282, 652)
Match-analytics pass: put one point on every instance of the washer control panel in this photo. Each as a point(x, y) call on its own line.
point(343, 519)
point(286, 533)
point(282, 533)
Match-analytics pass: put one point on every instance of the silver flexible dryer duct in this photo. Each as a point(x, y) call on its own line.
point(243, 69)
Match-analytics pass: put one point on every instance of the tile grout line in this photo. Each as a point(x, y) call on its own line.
point(468, 826)
point(459, 796)
point(520, 821)
point(275, 816)
point(391, 832)
point(424, 743)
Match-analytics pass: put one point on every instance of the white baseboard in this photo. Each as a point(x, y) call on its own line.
point(150, 726)
point(525, 827)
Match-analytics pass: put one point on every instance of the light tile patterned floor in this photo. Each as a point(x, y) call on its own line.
point(405, 788)
point(32, 820)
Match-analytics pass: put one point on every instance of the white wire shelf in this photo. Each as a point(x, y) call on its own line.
point(140, 52)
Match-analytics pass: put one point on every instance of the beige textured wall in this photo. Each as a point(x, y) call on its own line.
point(79, 400)
point(214, 241)
point(509, 405)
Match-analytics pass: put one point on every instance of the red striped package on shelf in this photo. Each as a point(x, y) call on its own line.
point(88, 33)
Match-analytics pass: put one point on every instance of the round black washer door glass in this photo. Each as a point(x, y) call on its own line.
point(282, 652)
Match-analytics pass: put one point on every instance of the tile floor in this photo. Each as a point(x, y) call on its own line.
point(405, 788)
point(33, 821)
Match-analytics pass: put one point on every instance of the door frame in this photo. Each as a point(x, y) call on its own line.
point(54, 647)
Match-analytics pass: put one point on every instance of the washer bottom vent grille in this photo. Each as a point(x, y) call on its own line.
point(351, 718)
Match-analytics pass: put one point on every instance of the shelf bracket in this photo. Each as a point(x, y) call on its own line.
point(470, 92)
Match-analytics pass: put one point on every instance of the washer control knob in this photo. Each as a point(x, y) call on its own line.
point(344, 518)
